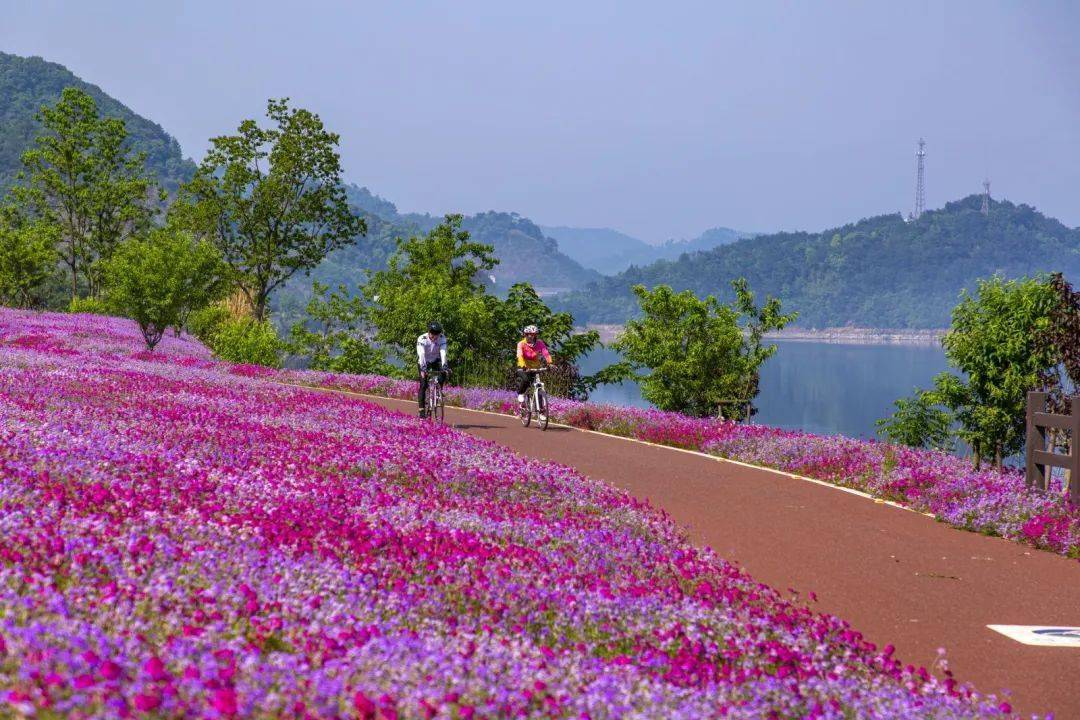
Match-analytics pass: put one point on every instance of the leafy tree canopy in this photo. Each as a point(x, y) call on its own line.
point(702, 356)
point(159, 280)
point(272, 200)
point(82, 177)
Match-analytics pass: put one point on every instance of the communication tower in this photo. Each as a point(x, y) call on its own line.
point(920, 187)
point(986, 198)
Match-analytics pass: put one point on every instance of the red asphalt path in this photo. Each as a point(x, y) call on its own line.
point(898, 576)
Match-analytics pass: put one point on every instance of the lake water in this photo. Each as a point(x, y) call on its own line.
point(823, 388)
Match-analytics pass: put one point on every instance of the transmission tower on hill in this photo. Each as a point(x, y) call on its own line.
point(986, 198)
point(920, 187)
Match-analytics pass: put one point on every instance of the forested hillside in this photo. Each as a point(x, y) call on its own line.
point(524, 253)
point(28, 83)
point(878, 272)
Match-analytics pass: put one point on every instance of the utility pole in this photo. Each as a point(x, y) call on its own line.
point(986, 198)
point(920, 187)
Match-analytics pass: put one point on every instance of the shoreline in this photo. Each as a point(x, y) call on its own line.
point(838, 336)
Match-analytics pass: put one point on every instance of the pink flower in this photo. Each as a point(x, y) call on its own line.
point(110, 670)
point(364, 706)
point(224, 701)
point(155, 669)
point(147, 701)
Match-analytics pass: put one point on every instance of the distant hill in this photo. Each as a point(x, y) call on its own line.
point(714, 237)
point(609, 251)
point(28, 83)
point(605, 250)
point(524, 253)
point(878, 272)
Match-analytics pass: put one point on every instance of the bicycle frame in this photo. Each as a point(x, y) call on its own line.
point(436, 408)
point(536, 402)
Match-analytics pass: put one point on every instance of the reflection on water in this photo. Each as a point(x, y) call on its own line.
point(823, 388)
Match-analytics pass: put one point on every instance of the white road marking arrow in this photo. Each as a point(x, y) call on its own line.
point(1042, 635)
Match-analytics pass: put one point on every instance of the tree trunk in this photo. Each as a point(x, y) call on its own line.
point(997, 457)
point(976, 455)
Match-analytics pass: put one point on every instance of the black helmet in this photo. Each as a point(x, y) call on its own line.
point(434, 328)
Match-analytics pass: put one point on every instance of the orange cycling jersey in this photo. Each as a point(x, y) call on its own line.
point(528, 356)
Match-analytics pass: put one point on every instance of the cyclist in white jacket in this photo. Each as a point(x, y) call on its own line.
point(431, 357)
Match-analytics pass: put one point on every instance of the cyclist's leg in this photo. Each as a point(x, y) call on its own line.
point(523, 382)
point(421, 399)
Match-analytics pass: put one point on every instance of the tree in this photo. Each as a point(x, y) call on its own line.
point(523, 306)
point(1062, 339)
point(995, 342)
point(335, 334)
point(434, 278)
point(158, 280)
point(82, 177)
point(275, 221)
point(27, 259)
point(919, 422)
point(703, 356)
point(438, 277)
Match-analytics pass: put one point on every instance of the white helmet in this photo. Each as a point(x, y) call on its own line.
point(531, 330)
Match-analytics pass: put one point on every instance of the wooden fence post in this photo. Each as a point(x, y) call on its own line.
point(1073, 471)
point(1042, 460)
point(1036, 439)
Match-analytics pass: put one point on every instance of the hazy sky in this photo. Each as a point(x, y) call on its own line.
point(659, 119)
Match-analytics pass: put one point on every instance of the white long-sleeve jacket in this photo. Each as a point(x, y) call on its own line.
point(428, 350)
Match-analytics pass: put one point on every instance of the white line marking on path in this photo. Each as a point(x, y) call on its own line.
point(1042, 635)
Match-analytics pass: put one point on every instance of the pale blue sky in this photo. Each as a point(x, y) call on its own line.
point(659, 119)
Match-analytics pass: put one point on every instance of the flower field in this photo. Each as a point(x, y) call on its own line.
point(938, 483)
point(181, 538)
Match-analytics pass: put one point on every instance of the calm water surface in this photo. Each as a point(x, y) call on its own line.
point(823, 388)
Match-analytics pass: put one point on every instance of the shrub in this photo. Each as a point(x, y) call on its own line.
point(246, 340)
point(89, 305)
point(205, 322)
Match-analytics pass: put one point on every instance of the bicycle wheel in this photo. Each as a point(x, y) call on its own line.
point(542, 412)
point(432, 403)
point(440, 410)
point(525, 412)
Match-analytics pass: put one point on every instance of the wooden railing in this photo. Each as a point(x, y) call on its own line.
point(1042, 459)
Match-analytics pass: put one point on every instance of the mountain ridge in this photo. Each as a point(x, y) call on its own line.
point(610, 251)
point(27, 83)
point(881, 271)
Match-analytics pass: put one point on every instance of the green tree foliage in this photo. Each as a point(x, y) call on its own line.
point(272, 200)
point(440, 277)
point(1062, 338)
point(158, 280)
point(204, 322)
point(335, 336)
point(247, 340)
point(523, 306)
point(27, 259)
point(878, 272)
point(703, 357)
point(994, 342)
point(237, 339)
point(82, 177)
point(919, 422)
point(434, 277)
point(28, 83)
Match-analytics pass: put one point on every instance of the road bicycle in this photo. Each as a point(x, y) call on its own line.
point(536, 401)
point(436, 403)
